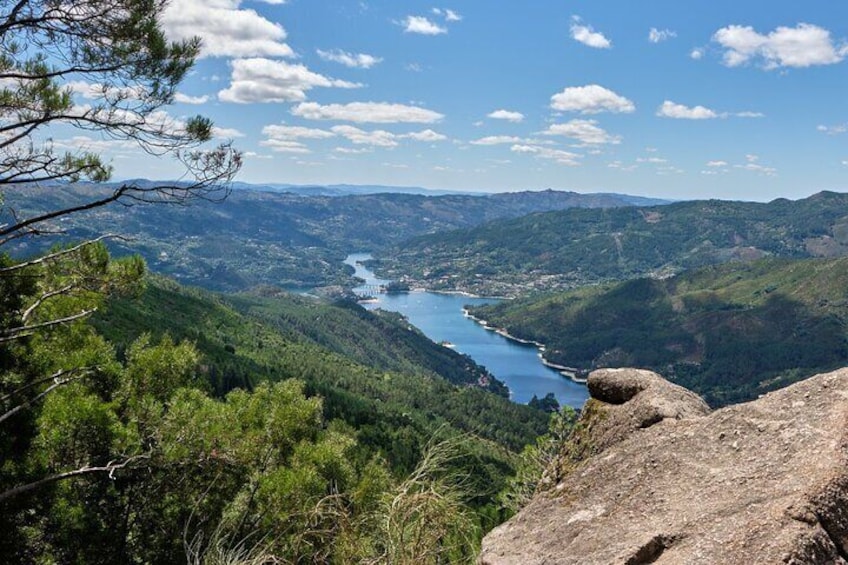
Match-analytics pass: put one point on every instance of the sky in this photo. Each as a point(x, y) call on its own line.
point(671, 99)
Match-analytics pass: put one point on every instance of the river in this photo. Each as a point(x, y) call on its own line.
point(440, 317)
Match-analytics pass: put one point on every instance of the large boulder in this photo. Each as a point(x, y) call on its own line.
point(652, 476)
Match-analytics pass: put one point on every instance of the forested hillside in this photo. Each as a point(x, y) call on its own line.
point(728, 332)
point(259, 237)
point(569, 248)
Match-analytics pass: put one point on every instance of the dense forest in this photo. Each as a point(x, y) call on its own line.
point(569, 248)
point(729, 332)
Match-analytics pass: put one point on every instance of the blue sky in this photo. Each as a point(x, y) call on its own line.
point(676, 99)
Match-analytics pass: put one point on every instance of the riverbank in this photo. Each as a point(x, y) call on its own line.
point(568, 372)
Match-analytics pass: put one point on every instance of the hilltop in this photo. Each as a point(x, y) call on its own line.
point(574, 247)
point(278, 238)
point(729, 332)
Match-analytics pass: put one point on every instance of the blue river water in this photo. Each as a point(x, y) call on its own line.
point(440, 317)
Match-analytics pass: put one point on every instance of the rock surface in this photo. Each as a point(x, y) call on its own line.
point(654, 477)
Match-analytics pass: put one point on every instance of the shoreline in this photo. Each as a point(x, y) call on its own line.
point(567, 372)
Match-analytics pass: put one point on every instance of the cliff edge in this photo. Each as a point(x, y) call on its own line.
point(652, 476)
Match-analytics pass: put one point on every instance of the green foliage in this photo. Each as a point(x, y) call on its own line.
point(282, 239)
point(728, 332)
point(535, 460)
point(574, 247)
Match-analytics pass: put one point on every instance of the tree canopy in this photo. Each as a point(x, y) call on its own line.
point(114, 55)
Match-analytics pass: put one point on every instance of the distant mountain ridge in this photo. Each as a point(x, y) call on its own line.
point(572, 247)
point(280, 238)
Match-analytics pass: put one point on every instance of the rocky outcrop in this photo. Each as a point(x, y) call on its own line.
point(651, 476)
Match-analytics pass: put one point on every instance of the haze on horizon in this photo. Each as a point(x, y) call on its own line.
point(669, 99)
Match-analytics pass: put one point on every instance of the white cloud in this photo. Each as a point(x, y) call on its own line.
point(95, 91)
point(507, 115)
point(585, 131)
point(717, 164)
point(750, 115)
point(659, 35)
point(449, 15)
point(353, 151)
point(285, 146)
point(185, 99)
point(265, 80)
point(833, 130)
point(226, 30)
point(697, 53)
point(586, 35)
point(226, 133)
point(802, 46)
point(427, 135)
point(591, 99)
point(652, 160)
point(376, 138)
point(352, 60)
point(422, 26)
point(562, 157)
point(86, 143)
point(367, 112)
point(679, 111)
point(496, 140)
point(295, 132)
point(759, 169)
point(452, 16)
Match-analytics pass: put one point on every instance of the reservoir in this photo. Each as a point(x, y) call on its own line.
point(440, 317)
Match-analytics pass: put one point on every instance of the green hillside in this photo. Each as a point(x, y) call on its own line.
point(405, 390)
point(569, 248)
point(258, 237)
point(728, 332)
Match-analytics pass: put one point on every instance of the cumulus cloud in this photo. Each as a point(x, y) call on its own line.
point(697, 53)
point(285, 139)
point(185, 99)
point(586, 35)
point(717, 164)
point(680, 112)
point(496, 140)
point(805, 45)
point(673, 110)
point(285, 146)
point(266, 80)
point(426, 135)
point(449, 15)
point(507, 115)
point(421, 25)
point(558, 155)
point(591, 99)
point(295, 132)
point(376, 138)
point(658, 35)
point(87, 143)
point(352, 60)
point(367, 112)
point(226, 133)
point(226, 30)
point(585, 131)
